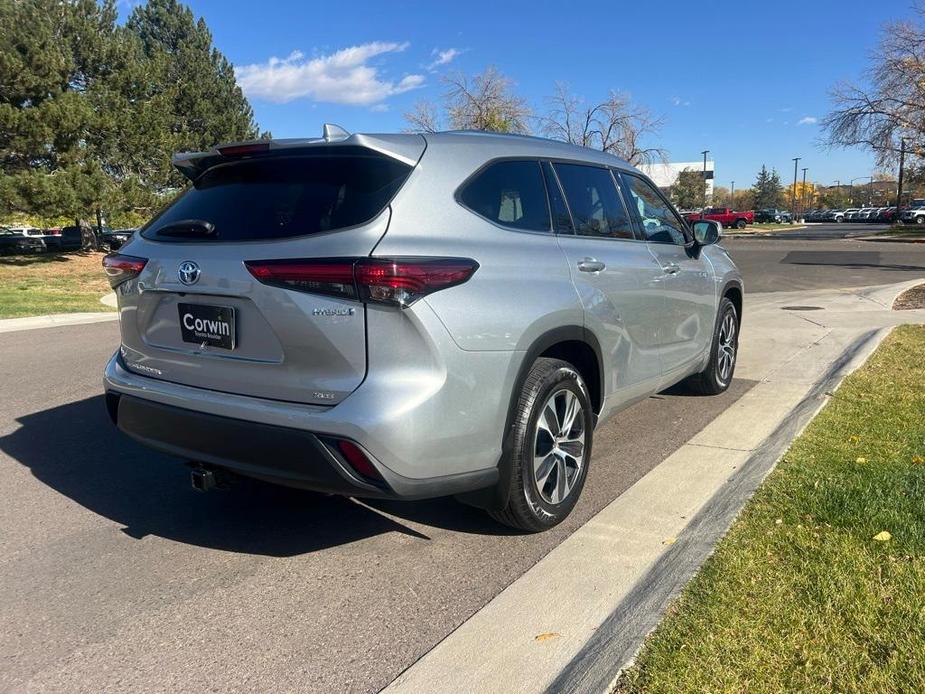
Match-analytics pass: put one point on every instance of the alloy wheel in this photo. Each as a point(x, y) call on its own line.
point(726, 353)
point(559, 446)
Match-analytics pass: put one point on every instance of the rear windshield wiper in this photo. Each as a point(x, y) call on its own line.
point(187, 227)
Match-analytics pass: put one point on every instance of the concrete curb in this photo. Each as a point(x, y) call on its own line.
point(55, 320)
point(762, 232)
point(887, 239)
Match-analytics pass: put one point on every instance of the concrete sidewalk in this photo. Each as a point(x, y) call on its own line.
point(574, 620)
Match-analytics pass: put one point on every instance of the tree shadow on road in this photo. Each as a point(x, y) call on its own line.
point(75, 450)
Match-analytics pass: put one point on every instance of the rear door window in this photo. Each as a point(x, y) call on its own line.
point(510, 193)
point(285, 196)
point(592, 196)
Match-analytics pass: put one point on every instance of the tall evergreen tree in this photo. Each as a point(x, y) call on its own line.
point(91, 111)
point(768, 189)
point(689, 189)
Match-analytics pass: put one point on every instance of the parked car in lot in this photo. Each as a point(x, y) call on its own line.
point(63, 239)
point(725, 216)
point(773, 216)
point(412, 316)
point(116, 238)
point(851, 214)
point(886, 215)
point(913, 215)
point(15, 242)
point(837, 216)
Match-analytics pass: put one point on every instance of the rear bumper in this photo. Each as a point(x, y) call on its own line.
point(283, 455)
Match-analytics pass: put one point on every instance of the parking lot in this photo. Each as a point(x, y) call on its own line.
point(118, 576)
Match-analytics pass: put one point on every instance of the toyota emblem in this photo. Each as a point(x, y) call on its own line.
point(188, 272)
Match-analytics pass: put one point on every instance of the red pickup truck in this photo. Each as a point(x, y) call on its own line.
point(724, 215)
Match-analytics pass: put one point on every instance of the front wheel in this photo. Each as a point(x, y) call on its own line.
point(550, 449)
point(725, 348)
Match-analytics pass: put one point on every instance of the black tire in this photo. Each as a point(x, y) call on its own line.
point(529, 507)
point(715, 379)
point(740, 224)
point(920, 220)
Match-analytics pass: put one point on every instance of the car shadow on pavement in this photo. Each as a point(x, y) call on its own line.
point(75, 450)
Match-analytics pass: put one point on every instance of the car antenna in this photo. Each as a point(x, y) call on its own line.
point(334, 132)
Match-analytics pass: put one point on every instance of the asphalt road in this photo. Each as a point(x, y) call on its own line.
point(788, 262)
point(116, 576)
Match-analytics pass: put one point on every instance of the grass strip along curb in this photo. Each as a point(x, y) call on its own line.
point(819, 584)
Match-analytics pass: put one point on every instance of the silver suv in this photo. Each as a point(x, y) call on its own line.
point(412, 316)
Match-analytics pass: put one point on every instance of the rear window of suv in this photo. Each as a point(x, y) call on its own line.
point(510, 193)
point(285, 196)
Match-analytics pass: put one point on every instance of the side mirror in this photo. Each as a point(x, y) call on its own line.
point(707, 232)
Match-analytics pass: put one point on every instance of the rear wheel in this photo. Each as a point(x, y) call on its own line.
point(740, 224)
point(551, 447)
point(718, 374)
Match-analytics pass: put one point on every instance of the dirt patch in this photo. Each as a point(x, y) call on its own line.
point(911, 298)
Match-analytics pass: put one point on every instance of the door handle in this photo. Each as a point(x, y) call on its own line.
point(671, 268)
point(590, 265)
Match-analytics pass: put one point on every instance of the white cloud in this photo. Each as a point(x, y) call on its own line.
point(442, 57)
point(678, 101)
point(343, 77)
point(808, 120)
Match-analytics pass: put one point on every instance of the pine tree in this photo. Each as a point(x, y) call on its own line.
point(91, 111)
point(767, 189)
point(689, 189)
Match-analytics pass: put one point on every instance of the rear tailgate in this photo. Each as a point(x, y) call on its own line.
point(195, 315)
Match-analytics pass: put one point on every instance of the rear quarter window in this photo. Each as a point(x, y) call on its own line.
point(510, 193)
point(285, 196)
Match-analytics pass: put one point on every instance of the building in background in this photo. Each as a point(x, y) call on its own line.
point(665, 175)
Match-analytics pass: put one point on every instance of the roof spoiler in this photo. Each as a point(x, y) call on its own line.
point(193, 164)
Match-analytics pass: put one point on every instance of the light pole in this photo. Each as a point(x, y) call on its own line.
point(705, 153)
point(732, 201)
point(860, 178)
point(793, 191)
point(899, 185)
point(803, 194)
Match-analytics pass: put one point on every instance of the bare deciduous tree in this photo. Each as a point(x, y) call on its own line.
point(423, 117)
point(484, 102)
point(894, 105)
point(615, 125)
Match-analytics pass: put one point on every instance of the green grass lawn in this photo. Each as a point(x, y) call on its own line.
point(806, 593)
point(51, 283)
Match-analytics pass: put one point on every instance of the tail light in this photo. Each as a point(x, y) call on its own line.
point(397, 282)
point(120, 268)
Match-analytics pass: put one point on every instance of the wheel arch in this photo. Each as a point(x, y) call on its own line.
point(571, 343)
point(733, 291)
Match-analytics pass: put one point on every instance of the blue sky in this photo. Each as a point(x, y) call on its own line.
point(744, 80)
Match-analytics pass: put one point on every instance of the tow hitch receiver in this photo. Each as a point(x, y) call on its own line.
point(206, 478)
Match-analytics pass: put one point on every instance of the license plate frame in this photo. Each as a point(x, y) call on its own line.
point(208, 325)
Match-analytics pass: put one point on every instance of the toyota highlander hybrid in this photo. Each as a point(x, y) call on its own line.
point(412, 316)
